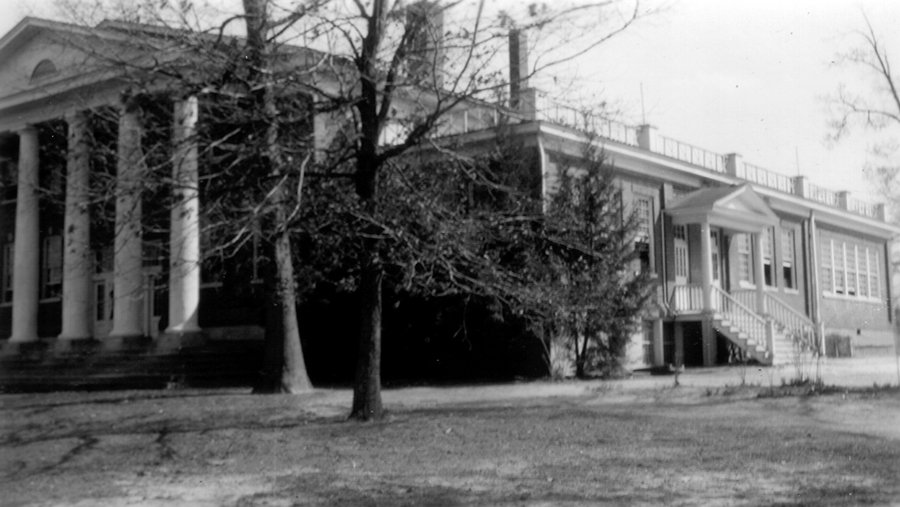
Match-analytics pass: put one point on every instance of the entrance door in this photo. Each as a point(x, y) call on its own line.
point(103, 304)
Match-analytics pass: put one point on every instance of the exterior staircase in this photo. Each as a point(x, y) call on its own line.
point(781, 335)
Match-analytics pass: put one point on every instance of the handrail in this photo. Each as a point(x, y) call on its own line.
point(800, 328)
point(737, 303)
point(743, 317)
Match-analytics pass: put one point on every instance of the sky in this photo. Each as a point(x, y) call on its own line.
point(729, 76)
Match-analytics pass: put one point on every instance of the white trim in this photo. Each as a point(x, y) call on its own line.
point(844, 297)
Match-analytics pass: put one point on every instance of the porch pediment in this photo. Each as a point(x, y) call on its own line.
point(736, 208)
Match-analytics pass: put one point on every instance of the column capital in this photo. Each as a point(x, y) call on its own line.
point(25, 128)
point(75, 115)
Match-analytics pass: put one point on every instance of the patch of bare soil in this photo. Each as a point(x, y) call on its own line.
point(524, 444)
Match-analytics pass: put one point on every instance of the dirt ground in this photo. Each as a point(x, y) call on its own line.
point(631, 442)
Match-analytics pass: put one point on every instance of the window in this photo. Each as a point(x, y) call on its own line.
point(768, 249)
point(787, 258)
point(743, 250)
point(827, 273)
point(874, 273)
point(105, 260)
point(647, 342)
point(715, 255)
point(154, 253)
point(7, 273)
point(52, 267)
point(9, 174)
point(644, 210)
point(837, 261)
point(849, 269)
point(681, 254)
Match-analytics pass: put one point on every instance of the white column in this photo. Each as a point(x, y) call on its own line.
point(760, 273)
point(128, 283)
point(659, 349)
point(708, 333)
point(26, 255)
point(184, 254)
point(706, 266)
point(77, 265)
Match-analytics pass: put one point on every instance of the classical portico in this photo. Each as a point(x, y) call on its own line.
point(718, 215)
point(128, 290)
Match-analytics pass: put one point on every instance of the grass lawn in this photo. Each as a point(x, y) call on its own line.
point(520, 444)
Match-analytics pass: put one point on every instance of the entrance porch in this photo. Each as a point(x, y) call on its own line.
point(725, 293)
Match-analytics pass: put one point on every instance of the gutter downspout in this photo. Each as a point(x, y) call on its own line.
point(813, 277)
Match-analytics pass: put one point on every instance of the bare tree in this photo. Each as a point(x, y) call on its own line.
point(874, 110)
point(388, 75)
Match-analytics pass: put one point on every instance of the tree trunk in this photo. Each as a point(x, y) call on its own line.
point(285, 368)
point(367, 386)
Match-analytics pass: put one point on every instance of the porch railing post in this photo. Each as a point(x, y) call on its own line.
point(760, 275)
point(706, 266)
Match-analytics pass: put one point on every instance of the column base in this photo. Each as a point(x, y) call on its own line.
point(75, 346)
point(74, 337)
point(179, 340)
point(24, 348)
point(24, 339)
point(132, 342)
point(185, 329)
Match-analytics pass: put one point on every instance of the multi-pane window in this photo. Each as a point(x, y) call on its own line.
point(837, 261)
point(743, 257)
point(154, 253)
point(7, 273)
point(644, 210)
point(647, 342)
point(715, 255)
point(787, 258)
point(827, 273)
point(768, 248)
point(52, 267)
point(850, 258)
point(681, 254)
point(849, 269)
point(874, 270)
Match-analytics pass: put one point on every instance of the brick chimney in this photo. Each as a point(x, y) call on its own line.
point(426, 57)
point(522, 98)
point(518, 66)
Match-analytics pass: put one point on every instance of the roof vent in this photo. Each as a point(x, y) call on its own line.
point(43, 69)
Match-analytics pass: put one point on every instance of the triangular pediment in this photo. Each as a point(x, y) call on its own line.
point(40, 58)
point(35, 54)
point(736, 207)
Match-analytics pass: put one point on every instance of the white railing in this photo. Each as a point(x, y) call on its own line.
point(746, 297)
point(765, 177)
point(797, 326)
point(741, 316)
point(822, 195)
point(586, 121)
point(692, 154)
point(862, 208)
point(687, 299)
point(546, 109)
